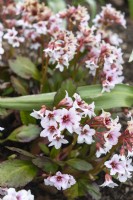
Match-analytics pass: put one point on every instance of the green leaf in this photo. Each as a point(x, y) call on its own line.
point(120, 96)
point(44, 148)
point(72, 192)
point(131, 57)
point(46, 164)
point(16, 173)
point(21, 151)
point(54, 152)
point(79, 164)
point(77, 190)
point(68, 86)
point(19, 86)
point(93, 7)
point(26, 118)
point(25, 133)
point(94, 191)
point(24, 68)
point(56, 5)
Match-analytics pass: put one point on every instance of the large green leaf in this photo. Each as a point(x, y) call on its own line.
point(120, 96)
point(24, 68)
point(79, 164)
point(25, 133)
point(16, 173)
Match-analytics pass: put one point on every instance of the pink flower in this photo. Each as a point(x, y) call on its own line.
point(115, 165)
point(50, 130)
point(68, 119)
point(60, 181)
point(67, 101)
point(109, 16)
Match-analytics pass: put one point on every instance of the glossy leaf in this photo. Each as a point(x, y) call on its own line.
point(120, 96)
point(26, 118)
point(79, 164)
point(16, 173)
point(25, 133)
point(21, 151)
point(45, 164)
point(24, 68)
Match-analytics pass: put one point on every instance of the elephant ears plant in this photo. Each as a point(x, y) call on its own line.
point(69, 75)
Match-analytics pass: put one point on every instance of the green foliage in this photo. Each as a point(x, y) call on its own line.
point(16, 173)
point(22, 152)
point(45, 164)
point(68, 86)
point(120, 96)
point(24, 68)
point(19, 86)
point(130, 6)
point(81, 188)
point(25, 133)
point(26, 118)
point(56, 5)
point(44, 148)
point(79, 164)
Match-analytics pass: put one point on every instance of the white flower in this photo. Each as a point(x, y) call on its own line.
point(50, 130)
point(115, 165)
point(41, 27)
point(68, 119)
point(12, 38)
point(38, 114)
point(1, 128)
point(50, 117)
point(86, 110)
point(85, 135)
point(108, 182)
point(60, 181)
point(100, 151)
point(57, 141)
point(21, 195)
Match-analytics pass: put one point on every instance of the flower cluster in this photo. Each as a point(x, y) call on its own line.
point(60, 181)
point(62, 49)
point(109, 16)
point(12, 194)
point(56, 122)
point(73, 117)
point(64, 39)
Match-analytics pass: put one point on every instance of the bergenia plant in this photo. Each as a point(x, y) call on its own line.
point(61, 45)
point(68, 138)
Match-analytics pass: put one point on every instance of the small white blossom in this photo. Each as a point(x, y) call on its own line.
point(85, 135)
point(60, 181)
point(12, 194)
